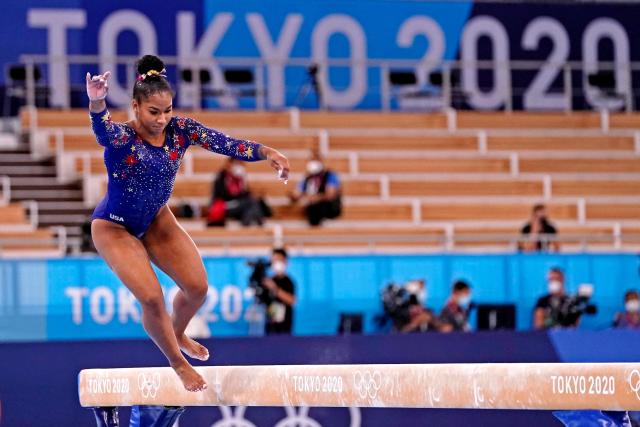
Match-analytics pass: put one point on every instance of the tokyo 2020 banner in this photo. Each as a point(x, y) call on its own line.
point(552, 49)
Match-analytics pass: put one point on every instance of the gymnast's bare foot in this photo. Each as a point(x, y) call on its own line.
point(190, 378)
point(192, 348)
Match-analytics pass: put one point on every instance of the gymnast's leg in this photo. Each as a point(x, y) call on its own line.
point(127, 257)
point(171, 249)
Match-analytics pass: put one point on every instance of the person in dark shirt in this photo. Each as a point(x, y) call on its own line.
point(455, 314)
point(319, 192)
point(232, 198)
point(547, 313)
point(538, 233)
point(281, 296)
point(630, 318)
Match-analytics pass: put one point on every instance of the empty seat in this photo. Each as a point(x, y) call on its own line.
point(315, 119)
point(424, 188)
point(374, 143)
point(527, 120)
point(567, 143)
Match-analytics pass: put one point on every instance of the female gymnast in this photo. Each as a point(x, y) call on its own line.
point(132, 226)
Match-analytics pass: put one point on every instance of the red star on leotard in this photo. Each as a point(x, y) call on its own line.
point(179, 139)
point(131, 160)
point(241, 148)
point(173, 155)
point(193, 136)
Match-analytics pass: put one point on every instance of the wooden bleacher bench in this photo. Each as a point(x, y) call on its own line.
point(371, 211)
point(527, 120)
point(16, 241)
point(587, 188)
point(210, 163)
point(329, 120)
point(479, 187)
point(493, 212)
point(624, 120)
point(568, 236)
point(372, 143)
point(613, 211)
point(13, 214)
point(323, 237)
point(556, 143)
point(79, 117)
point(579, 165)
point(198, 187)
point(396, 165)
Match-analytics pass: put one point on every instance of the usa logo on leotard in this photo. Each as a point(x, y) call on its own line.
point(148, 384)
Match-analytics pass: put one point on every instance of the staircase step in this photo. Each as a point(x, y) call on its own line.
point(66, 220)
point(56, 194)
point(36, 170)
point(23, 160)
point(51, 186)
point(50, 205)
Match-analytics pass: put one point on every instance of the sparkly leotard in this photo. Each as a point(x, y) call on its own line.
point(141, 175)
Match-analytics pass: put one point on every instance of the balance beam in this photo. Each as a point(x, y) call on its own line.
point(598, 386)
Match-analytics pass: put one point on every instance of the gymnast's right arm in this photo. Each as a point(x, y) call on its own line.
point(105, 130)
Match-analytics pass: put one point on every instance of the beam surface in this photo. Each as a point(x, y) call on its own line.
point(603, 386)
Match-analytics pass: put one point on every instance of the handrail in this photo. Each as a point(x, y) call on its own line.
point(384, 66)
point(6, 189)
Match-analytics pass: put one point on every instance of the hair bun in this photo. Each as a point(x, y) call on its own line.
point(148, 63)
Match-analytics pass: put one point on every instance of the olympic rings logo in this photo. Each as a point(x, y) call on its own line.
point(367, 384)
point(634, 382)
point(148, 384)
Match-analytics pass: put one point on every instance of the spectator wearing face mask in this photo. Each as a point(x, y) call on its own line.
point(319, 192)
point(548, 310)
point(281, 295)
point(232, 198)
point(455, 314)
point(630, 318)
point(538, 234)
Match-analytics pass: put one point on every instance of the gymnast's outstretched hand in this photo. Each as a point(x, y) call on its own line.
point(277, 161)
point(98, 86)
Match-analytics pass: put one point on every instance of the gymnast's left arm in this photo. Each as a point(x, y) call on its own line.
point(218, 142)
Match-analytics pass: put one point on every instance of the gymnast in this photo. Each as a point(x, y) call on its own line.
point(133, 226)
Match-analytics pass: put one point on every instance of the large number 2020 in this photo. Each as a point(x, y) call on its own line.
point(537, 95)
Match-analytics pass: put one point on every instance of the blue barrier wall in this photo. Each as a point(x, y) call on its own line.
point(38, 384)
point(80, 298)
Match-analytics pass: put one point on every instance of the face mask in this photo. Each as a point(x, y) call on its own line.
point(632, 306)
point(238, 171)
point(464, 301)
point(314, 167)
point(422, 296)
point(554, 286)
point(417, 289)
point(279, 267)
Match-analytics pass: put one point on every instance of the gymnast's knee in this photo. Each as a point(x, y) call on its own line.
point(153, 305)
point(196, 292)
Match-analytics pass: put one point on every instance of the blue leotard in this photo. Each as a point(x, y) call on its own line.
point(141, 175)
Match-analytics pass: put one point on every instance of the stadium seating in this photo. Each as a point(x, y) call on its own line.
point(463, 179)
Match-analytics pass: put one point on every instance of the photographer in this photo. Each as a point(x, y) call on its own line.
point(538, 233)
point(559, 310)
point(404, 308)
point(280, 296)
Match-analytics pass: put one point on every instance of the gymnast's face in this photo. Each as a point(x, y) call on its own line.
point(154, 112)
